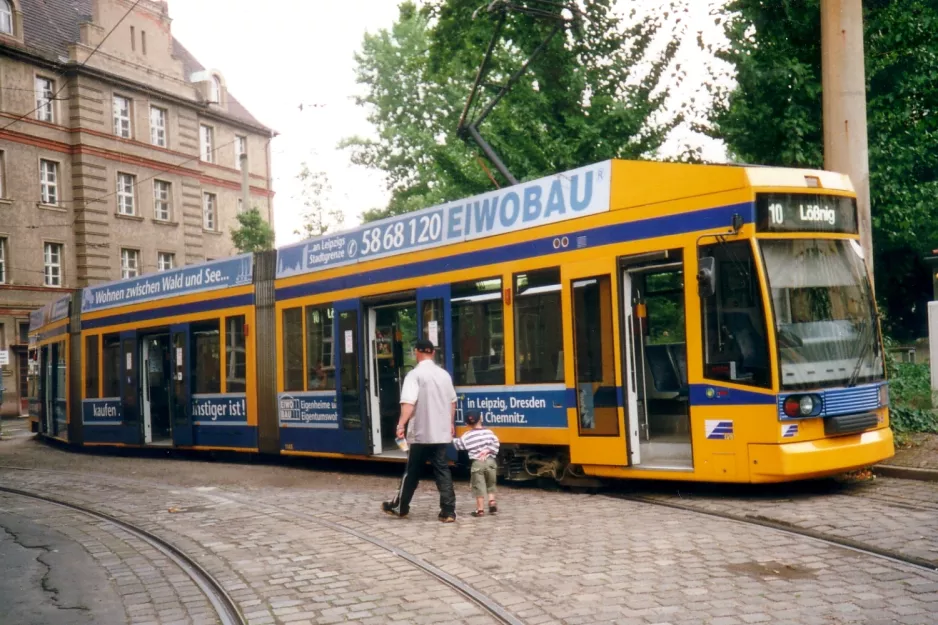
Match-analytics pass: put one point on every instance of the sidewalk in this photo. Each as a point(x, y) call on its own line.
point(918, 461)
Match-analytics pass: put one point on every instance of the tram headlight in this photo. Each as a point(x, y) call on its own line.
point(801, 406)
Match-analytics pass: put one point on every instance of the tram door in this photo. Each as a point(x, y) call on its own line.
point(593, 343)
point(180, 404)
point(48, 391)
point(156, 373)
point(392, 336)
point(130, 385)
point(656, 348)
point(354, 423)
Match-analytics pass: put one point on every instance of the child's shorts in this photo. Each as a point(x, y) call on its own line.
point(482, 477)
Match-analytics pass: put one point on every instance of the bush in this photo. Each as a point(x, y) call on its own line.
point(910, 407)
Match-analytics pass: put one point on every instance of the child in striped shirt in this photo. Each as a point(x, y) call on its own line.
point(482, 445)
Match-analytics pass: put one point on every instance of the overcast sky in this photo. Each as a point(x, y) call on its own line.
point(278, 55)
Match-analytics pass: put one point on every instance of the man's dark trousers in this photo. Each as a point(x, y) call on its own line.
point(418, 456)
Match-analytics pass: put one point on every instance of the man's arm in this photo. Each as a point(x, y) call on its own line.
point(407, 411)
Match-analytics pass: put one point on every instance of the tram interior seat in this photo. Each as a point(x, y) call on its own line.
point(667, 389)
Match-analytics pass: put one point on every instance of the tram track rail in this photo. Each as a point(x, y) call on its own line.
point(791, 529)
point(491, 607)
point(225, 607)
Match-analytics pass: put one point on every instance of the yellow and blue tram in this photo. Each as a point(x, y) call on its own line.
point(562, 309)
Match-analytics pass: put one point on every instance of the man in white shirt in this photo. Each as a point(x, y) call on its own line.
point(428, 404)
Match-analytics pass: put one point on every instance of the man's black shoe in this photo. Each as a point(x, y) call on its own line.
point(389, 509)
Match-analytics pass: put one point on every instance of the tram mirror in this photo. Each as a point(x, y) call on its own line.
point(706, 276)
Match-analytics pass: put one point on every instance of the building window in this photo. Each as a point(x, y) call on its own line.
point(6, 17)
point(133, 39)
point(122, 116)
point(538, 327)
point(207, 134)
point(45, 91)
point(48, 180)
point(478, 350)
point(3, 260)
point(158, 126)
point(3, 190)
point(208, 211)
point(241, 147)
point(206, 358)
point(143, 42)
point(216, 90)
point(235, 355)
point(125, 194)
point(24, 333)
point(165, 261)
point(53, 264)
point(162, 200)
point(130, 263)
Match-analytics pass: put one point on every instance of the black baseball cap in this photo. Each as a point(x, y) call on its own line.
point(425, 346)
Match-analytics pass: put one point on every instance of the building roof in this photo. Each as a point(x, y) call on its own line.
point(50, 26)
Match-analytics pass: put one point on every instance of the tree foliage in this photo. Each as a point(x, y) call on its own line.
point(774, 117)
point(596, 93)
point(321, 215)
point(253, 234)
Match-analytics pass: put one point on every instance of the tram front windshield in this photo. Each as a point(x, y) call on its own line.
point(825, 322)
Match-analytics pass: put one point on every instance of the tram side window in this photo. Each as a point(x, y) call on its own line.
point(91, 367)
point(319, 353)
point(735, 343)
point(112, 365)
point(293, 349)
point(538, 327)
point(235, 355)
point(479, 348)
point(206, 369)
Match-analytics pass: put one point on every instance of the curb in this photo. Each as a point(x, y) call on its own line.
point(906, 473)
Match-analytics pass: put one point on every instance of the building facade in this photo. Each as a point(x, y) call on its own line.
point(120, 154)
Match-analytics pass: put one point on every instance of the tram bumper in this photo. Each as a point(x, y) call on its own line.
point(818, 458)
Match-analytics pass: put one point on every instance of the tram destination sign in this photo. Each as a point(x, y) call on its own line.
point(219, 274)
point(806, 212)
point(576, 193)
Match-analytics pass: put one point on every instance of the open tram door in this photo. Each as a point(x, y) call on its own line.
point(180, 402)
point(354, 422)
point(595, 407)
point(656, 388)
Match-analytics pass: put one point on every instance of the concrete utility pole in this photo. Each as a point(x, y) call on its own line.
point(844, 93)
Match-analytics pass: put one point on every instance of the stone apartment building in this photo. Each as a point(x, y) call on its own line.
point(120, 154)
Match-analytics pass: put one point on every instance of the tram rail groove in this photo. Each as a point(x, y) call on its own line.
point(791, 528)
point(491, 607)
point(225, 607)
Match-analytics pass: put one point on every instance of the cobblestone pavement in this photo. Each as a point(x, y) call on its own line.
point(148, 585)
point(900, 516)
point(547, 557)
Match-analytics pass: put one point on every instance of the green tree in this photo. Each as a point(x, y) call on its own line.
point(253, 234)
point(773, 116)
point(594, 94)
point(320, 215)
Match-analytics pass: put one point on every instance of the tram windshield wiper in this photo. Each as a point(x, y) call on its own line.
point(865, 344)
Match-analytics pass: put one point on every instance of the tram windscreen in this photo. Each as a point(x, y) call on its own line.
point(825, 322)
